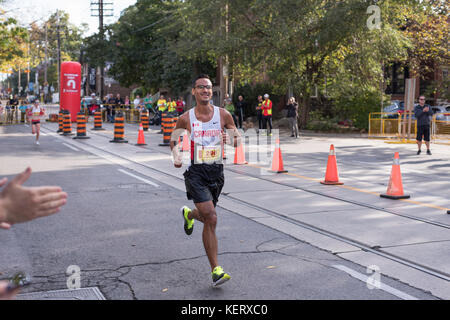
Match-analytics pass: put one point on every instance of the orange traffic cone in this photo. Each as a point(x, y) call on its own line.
point(239, 155)
point(141, 138)
point(332, 175)
point(186, 144)
point(395, 187)
point(277, 161)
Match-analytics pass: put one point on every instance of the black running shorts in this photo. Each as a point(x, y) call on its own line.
point(423, 131)
point(204, 182)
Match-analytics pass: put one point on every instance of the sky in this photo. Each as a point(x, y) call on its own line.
point(26, 11)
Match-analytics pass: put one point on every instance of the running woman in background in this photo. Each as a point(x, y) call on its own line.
point(35, 112)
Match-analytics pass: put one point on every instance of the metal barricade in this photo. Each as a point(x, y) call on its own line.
point(391, 126)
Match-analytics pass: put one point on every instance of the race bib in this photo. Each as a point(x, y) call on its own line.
point(208, 154)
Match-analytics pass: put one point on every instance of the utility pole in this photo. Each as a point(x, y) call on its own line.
point(101, 9)
point(59, 54)
point(46, 40)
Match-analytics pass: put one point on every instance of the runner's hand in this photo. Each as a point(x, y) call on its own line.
point(177, 157)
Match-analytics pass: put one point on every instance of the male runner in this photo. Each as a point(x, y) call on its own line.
point(204, 178)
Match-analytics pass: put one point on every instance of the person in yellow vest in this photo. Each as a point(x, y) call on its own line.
point(162, 104)
point(267, 113)
point(162, 107)
point(171, 105)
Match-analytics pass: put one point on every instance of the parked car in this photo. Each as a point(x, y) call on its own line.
point(442, 112)
point(394, 109)
point(398, 107)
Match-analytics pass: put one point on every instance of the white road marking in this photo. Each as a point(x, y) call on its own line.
point(383, 286)
point(70, 147)
point(139, 178)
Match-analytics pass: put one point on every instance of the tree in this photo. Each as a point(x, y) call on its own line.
point(296, 44)
point(11, 38)
point(142, 47)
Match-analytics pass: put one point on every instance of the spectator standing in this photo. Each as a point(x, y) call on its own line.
point(137, 102)
point(292, 115)
point(171, 105)
point(267, 113)
point(229, 106)
point(259, 113)
point(423, 113)
point(162, 107)
point(13, 103)
point(240, 110)
point(180, 106)
point(162, 104)
point(112, 108)
point(84, 105)
point(148, 101)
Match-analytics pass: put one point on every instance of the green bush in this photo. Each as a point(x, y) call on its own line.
point(357, 108)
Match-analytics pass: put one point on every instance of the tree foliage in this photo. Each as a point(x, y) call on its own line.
point(301, 46)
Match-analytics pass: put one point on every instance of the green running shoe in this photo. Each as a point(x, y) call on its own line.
point(188, 223)
point(219, 277)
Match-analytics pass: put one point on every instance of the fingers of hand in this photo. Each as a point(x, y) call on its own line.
point(50, 190)
point(22, 177)
point(51, 201)
point(4, 225)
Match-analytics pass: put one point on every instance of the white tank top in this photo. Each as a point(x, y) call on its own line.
point(35, 112)
point(206, 138)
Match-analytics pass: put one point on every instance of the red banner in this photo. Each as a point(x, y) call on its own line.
point(71, 88)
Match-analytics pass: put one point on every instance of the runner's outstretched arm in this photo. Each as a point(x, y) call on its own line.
point(180, 128)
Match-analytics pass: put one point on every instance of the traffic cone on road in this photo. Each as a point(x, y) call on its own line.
point(332, 175)
point(395, 187)
point(239, 155)
point(141, 138)
point(277, 161)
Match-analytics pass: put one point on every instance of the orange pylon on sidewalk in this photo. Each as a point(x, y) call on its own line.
point(239, 155)
point(395, 187)
point(332, 175)
point(277, 161)
point(141, 138)
point(186, 144)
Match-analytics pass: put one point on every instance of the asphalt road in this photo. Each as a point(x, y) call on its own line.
point(126, 235)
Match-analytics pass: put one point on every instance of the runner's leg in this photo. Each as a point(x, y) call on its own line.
point(38, 129)
point(206, 213)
